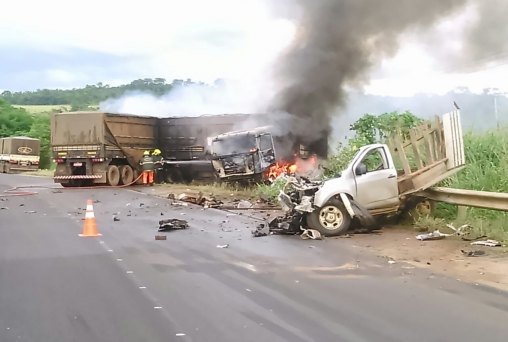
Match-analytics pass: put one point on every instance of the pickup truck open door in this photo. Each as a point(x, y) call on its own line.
point(376, 178)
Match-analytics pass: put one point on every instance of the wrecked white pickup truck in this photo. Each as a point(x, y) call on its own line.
point(381, 179)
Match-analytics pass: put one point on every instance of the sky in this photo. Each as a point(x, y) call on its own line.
point(67, 44)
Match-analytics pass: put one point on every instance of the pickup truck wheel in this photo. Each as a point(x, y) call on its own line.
point(113, 175)
point(331, 219)
point(126, 174)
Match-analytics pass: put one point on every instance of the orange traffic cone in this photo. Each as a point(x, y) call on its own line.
point(89, 225)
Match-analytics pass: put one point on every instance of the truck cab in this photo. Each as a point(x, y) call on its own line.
point(243, 155)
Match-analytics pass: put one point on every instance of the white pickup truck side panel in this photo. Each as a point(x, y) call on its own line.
point(373, 190)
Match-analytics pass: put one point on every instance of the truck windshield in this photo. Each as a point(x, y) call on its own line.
point(234, 144)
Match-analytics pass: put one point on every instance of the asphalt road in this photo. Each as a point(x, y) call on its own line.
point(126, 286)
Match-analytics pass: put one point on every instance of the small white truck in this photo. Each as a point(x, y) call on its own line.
point(381, 178)
point(19, 154)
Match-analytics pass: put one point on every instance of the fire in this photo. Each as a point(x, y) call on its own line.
point(281, 168)
point(301, 166)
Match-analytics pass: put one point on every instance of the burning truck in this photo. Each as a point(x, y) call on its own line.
point(243, 155)
point(257, 156)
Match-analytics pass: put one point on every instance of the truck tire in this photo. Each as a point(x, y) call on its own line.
point(113, 175)
point(126, 174)
point(331, 219)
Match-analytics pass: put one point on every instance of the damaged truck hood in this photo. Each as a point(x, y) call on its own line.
point(304, 195)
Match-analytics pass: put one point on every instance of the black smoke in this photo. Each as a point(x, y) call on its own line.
point(338, 42)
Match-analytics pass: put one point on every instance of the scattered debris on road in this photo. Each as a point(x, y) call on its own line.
point(311, 234)
point(116, 219)
point(261, 230)
point(197, 198)
point(223, 246)
point(435, 235)
point(172, 224)
point(488, 243)
point(474, 253)
point(244, 205)
point(160, 237)
point(30, 212)
point(4, 208)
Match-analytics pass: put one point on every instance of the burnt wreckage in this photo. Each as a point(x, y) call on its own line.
point(228, 147)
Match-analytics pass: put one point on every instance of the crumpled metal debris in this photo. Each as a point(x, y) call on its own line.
point(311, 234)
point(488, 243)
point(172, 224)
point(305, 204)
point(244, 204)
point(474, 253)
point(462, 230)
point(261, 230)
point(435, 235)
point(196, 198)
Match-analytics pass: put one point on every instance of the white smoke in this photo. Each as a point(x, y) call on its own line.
point(192, 100)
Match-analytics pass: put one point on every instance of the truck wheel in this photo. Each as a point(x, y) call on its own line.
point(331, 219)
point(126, 174)
point(113, 175)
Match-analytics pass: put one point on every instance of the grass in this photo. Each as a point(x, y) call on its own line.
point(40, 173)
point(38, 109)
point(270, 192)
point(486, 167)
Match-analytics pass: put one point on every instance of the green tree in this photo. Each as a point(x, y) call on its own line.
point(40, 129)
point(370, 129)
point(14, 121)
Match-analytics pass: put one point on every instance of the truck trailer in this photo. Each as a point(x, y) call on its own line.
point(100, 148)
point(19, 154)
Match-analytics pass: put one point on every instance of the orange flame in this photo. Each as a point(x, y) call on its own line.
point(281, 168)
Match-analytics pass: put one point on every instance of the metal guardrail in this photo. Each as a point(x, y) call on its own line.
point(468, 198)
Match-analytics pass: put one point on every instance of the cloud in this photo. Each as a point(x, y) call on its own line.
point(26, 68)
point(198, 39)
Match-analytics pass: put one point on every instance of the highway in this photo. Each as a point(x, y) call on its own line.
point(126, 286)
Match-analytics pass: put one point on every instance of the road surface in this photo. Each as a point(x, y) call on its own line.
point(126, 286)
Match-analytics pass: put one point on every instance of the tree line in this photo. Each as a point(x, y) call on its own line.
point(91, 95)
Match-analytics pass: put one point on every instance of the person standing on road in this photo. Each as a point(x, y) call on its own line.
point(147, 166)
point(159, 170)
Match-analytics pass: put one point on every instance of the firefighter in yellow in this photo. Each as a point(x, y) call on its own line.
point(147, 166)
point(159, 169)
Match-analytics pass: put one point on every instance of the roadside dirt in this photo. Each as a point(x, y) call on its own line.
point(396, 243)
point(441, 256)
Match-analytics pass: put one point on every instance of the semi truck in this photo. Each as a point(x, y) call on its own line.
point(18, 154)
point(100, 148)
point(103, 148)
